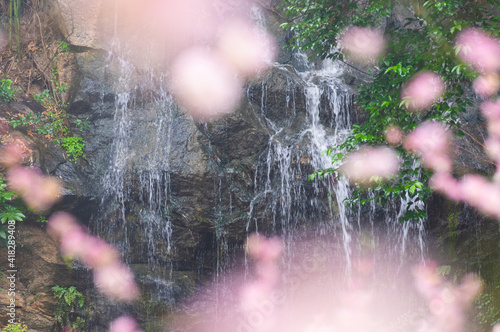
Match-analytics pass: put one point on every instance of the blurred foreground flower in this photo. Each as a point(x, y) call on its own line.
point(315, 293)
point(486, 85)
point(446, 184)
point(363, 44)
point(124, 324)
point(14, 152)
point(39, 192)
point(479, 49)
point(431, 140)
point(447, 303)
point(422, 91)
point(116, 280)
point(393, 135)
point(113, 278)
point(248, 49)
point(482, 194)
point(204, 84)
point(369, 163)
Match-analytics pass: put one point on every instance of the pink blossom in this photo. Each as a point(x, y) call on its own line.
point(246, 48)
point(124, 324)
point(479, 50)
point(492, 147)
point(39, 192)
point(260, 248)
point(422, 91)
point(204, 84)
point(446, 184)
point(393, 135)
point(431, 140)
point(486, 85)
point(116, 281)
point(74, 243)
point(496, 328)
point(14, 152)
point(481, 194)
point(61, 223)
point(363, 44)
point(491, 109)
point(99, 253)
point(369, 162)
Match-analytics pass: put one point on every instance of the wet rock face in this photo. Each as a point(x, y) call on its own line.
point(39, 268)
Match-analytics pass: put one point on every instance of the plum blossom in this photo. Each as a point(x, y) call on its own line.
point(124, 324)
point(487, 85)
point(204, 84)
point(422, 91)
point(431, 140)
point(368, 162)
point(479, 49)
point(363, 44)
point(246, 48)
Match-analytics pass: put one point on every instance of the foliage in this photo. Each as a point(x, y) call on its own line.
point(64, 46)
point(487, 313)
point(53, 126)
point(15, 23)
point(8, 211)
point(7, 92)
point(317, 24)
point(70, 300)
point(73, 147)
point(424, 43)
point(16, 327)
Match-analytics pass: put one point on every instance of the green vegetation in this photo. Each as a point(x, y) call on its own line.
point(16, 327)
point(7, 92)
point(423, 43)
point(66, 313)
point(54, 127)
point(8, 211)
point(73, 147)
point(15, 24)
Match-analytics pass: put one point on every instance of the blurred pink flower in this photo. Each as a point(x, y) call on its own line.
point(124, 324)
point(98, 253)
point(481, 194)
point(249, 50)
point(492, 147)
point(446, 184)
point(486, 84)
point(447, 303)
point(422, 91)
point(431, 140)
point(60, 223)
point(204, 84)
point(479, 49)
point(74, 243)
point(13, 153)
point(39, 192)
point(393, 135)
point(363, 44)
point(491, 109)
point(368, 162)
point(263, 249)
point(116, 281)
